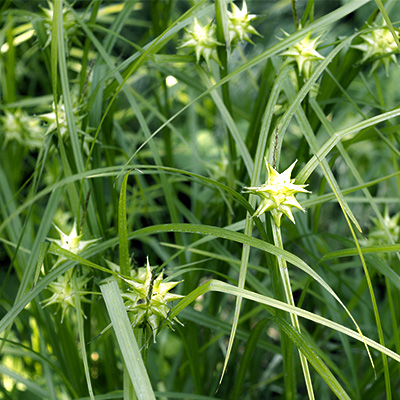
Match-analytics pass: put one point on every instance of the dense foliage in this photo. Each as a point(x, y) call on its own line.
point(199, 200)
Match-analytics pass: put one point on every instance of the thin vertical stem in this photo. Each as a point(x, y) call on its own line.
point(295, 18)
point(289, 299)
point(220, 15)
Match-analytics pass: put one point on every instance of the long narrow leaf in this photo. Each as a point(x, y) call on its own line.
point(127, 341)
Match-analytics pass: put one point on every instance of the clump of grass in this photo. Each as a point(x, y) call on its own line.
point(133, 137)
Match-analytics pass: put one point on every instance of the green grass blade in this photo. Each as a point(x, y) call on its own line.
point(222, 287)
point(374, 304)
point(123, 230)
point(338, 136)
point(41, 234)
point(79, 318)
point(383, 267)
point(255, 174)
point(127, 341)
point(230, 123)
point(31, 387)
point(308, 350)
point(246, 361)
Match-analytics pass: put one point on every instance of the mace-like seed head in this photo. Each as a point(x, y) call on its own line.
point(380, 45)
point(277, 194)
point(304, 53)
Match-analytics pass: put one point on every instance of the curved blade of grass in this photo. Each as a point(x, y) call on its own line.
point(307, 348)
point(319, 112)
point(383, 267)
point(218, 232)
point(336, 138)
point(304, 124)
point(127, 341)
point(374, 304)
point(222, 287)
point(243, 239)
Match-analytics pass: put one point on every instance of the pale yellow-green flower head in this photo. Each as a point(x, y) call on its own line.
point(377, 234)
point(277, 194)
point(380, 45)
point(304, 53)
point(239, 24)
point(146, 299)
point(202, 41)
point(20, 127)
point(64, 289)
point(72, 242)
point(70, 24)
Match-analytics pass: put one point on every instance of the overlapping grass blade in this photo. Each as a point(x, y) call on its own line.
point(127, 341)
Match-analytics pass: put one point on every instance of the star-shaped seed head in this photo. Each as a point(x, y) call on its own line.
point(72, 242)
point(18, 126)
point(147, 297)
point(378, 235)
point(277, 194)
point(239, 24)
point(380, 45)
point(64, 289)
point(57, 118)
point(203, 41)
point(304, 53)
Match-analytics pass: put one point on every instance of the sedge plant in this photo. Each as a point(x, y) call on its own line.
point(199, 200)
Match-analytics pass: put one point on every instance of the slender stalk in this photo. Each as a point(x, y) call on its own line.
point(295, 18)
point(79, 318)
point(289, 299)
point(220, 13)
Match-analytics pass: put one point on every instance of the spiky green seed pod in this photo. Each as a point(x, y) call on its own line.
point(379, 45)
point(202, 40)
point(19, 127)
point(64, 290)
point(146, 299)
point(304, 53)
point(378, 233)
point(277, 194)
point(240, 24)
point(72, 242)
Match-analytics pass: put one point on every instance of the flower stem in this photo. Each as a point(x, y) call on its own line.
point(289, 299)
